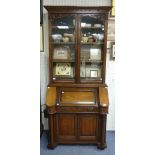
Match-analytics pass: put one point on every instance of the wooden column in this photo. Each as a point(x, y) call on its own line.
point(51, 134)
point(102, 141)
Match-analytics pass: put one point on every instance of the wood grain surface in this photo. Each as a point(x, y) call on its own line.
point(51, 96)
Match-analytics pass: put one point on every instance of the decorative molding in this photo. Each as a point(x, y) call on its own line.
point(80, 10)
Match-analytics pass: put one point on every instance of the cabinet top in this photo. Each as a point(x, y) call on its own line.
point(77, 9)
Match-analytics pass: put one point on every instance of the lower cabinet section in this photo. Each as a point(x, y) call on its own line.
point(77, 129)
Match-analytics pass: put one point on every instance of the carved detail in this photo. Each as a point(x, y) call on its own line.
point(103, 110)
point(106, 16)
point(51, 110)
point(53, 16)
point(74, 9)
point(101, 17)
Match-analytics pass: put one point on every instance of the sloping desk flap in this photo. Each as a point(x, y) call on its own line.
point(77, 96)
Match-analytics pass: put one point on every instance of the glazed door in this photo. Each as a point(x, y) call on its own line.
point(67, 127)
point(77, 48)
point(92, 48)
point(87, 127)
point(63, 47)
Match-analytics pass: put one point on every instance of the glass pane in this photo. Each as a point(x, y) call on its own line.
point(64, 53)
point(63, 20)
point(63, 47)
point(92, 45)
point(91, 71)
point(92, 30)
point(63, 29)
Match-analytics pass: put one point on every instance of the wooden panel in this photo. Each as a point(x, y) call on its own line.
point(103, 97)
point(51, 96)
point(78, 97)
point(67, 127)
point(87, 127)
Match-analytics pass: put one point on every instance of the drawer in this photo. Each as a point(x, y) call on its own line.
point(77, 109)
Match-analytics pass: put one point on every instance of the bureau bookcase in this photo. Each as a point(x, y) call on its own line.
point(77, 96)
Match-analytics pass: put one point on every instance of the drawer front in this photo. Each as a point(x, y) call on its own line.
point(77, 109)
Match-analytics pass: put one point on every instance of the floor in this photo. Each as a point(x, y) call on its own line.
point(78, 149)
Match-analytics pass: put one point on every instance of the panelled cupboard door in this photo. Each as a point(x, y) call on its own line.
point(88, 127)
point(67, 126)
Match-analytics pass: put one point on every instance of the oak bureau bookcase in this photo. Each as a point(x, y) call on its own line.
point(77, 96)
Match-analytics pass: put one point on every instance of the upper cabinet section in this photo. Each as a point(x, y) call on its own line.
point(77, 44)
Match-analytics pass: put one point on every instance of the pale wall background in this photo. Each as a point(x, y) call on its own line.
point(44, 72)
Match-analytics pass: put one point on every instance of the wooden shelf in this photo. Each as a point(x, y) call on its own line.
point(92, 27)
point(63, 79)
point(94, 43)
point(87, 79)
point(63, 60)
point(56, 27)
point(63, 43)
point(94, 61)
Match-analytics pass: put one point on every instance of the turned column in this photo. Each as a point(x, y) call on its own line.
point(51, 130)
point(102, 136)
